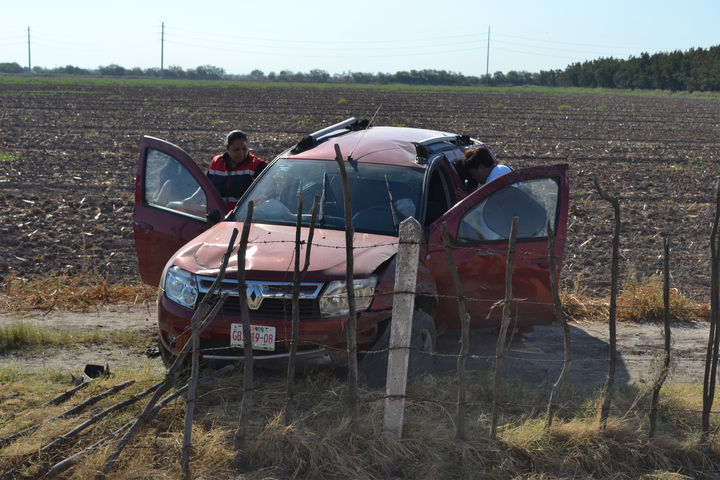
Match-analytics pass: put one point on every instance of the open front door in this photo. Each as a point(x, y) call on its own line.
point(479, 228)
point(173, 199)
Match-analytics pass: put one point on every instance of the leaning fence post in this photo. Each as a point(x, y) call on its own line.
point(248, 381)
point(349, 284)
point(205, 310)
point(666, 322)
point(401, 325)
point(711, 357)
point(560, 318)
point(506, 314)
point(464, 336)
point(610, 382)
point(298, 276)
point(190, 399)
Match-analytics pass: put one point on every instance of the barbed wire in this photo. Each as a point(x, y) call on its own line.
point(582, 300)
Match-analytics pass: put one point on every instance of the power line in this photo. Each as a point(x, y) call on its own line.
point(536, 40)
point(341, 54)
point(431, 48)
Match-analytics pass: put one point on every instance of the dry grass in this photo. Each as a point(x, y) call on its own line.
point(643, 302)
point(69, 292)
point(636, 302)
point(322, 444)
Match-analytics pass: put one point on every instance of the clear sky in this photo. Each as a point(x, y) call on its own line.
point(341, 35)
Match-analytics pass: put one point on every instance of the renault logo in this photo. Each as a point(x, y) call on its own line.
point(254, 296)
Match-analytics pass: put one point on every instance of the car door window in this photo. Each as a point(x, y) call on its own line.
point(170, 186)
point(534, 202)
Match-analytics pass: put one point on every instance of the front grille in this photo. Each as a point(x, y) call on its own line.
point(271, 307)
point(268, 299)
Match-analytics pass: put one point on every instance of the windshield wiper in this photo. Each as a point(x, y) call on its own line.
point(392, 206)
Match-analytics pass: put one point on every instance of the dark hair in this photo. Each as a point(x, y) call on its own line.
point(478, 157)
point(235, 135)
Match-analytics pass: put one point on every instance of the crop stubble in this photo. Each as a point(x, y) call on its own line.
point(69, 154)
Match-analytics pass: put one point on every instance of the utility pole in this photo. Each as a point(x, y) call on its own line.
point(162, 50)
point(29, 62)
point(487, 58)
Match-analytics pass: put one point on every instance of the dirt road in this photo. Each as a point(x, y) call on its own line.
point(73, 359)
point(536, 357)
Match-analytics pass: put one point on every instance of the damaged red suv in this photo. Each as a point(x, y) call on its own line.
point(393, 173)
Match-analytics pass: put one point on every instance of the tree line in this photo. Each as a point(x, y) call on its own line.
point(697, 69)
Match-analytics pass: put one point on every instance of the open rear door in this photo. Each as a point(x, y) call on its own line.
point(173, 199)
point(479, 228)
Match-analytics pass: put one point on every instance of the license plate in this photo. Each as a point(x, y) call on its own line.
point(263, 338)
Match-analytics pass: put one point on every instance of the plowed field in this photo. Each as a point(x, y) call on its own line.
point(68, 154)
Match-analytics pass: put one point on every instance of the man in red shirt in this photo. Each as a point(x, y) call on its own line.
point(234, 171)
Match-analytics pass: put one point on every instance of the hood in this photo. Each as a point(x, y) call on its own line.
point(270, 253)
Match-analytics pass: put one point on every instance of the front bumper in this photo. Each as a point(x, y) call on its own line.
point(317, 337)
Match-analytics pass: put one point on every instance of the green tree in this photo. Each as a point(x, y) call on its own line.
point(13, 67)
point(112, 70)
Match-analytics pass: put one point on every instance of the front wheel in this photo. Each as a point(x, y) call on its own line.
point(168, 358)
point(372, 369)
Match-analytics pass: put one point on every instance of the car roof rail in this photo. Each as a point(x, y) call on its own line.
point(425, 148)
point(316, 138)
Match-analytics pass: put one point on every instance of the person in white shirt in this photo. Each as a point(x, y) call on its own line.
point(482, 166)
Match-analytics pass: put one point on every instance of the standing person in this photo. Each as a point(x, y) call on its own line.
point(234, 171)
point(482, 166)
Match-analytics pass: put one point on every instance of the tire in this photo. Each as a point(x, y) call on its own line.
point(422, 343)
point(372, 368)
point(168, 358)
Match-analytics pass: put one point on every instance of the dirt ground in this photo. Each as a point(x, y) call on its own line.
point(73, 359)
point(68, 168)
point(69, 153)
point(532, 357)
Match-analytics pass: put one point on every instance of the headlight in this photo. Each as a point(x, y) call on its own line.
point(334, 302)
point(180, 287)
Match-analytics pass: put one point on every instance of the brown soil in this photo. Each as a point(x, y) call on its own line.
point(69, 154)
point(66, 201)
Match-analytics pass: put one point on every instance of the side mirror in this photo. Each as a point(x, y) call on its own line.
point(213, 218)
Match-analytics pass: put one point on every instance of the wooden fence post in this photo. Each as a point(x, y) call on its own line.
point(190, 399)
point(410, 234)
point(206, 311)
point(298, 276)
point(560, 318)
point(68, 462)
point(350, 288)
point(610, 382)
point(506, 315)
point(248, 381)
point(464, 335)
point(711, 357)
point(666, 322)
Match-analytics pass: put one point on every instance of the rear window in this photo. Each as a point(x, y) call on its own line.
point(275, 195)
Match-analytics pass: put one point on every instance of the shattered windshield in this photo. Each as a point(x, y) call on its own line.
point(382, 195)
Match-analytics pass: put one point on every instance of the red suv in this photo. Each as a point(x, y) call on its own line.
point(393, 173)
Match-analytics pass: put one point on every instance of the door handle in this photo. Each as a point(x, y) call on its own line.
point(143, 227)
